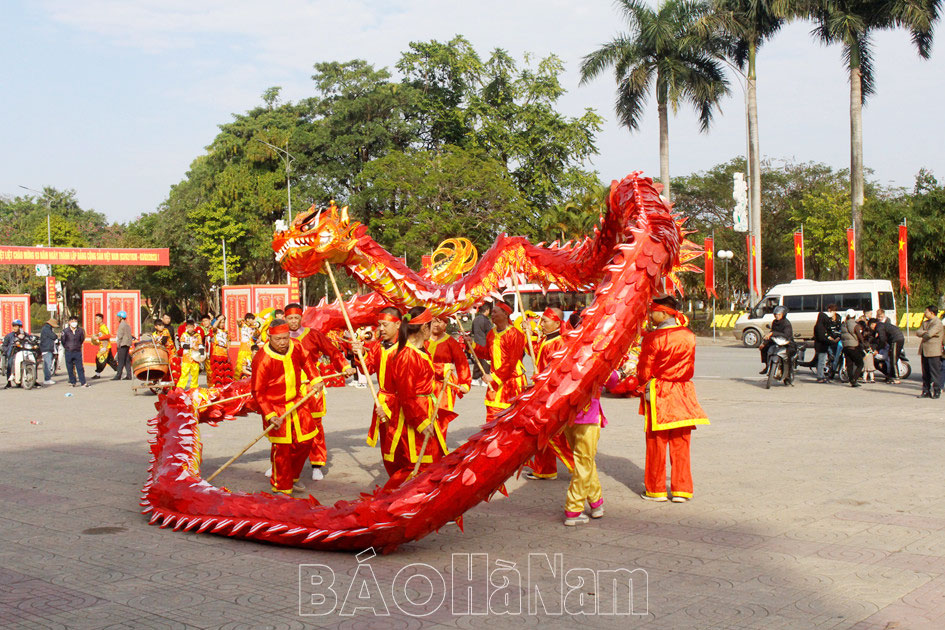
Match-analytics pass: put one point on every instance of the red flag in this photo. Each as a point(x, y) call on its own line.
point(851, 252)
point(750, 261)
point(799, 255)
point(754, 267)
point(904, 259)
point(710, 268)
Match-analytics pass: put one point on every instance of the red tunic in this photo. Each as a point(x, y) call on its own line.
point(505, 351)
point(547, 348)
point(667, 363)
point(413, 377)
point(316, 344)
point(377, 358)
point(446, 351)
point(277, 383)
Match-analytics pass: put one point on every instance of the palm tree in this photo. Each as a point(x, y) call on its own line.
point(851, 23)
point(748, 24)
point(662, 48)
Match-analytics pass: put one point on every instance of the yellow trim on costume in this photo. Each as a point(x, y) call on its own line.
point(687, 495)
point(651, 405)
point(274, 489)
point(413, 432)
point(655, 494)
point(564, 461)
point(496, 355)
point(544, 476)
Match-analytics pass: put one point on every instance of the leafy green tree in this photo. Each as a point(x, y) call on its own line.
point(356, 116)
point(852, 24)
point(923, 208)
point(666, 52)
point(507, 110)
point(420, 198)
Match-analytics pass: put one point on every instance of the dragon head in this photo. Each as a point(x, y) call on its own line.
point(315, 236)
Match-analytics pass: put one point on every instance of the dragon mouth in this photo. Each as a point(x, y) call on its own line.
point(296, 245)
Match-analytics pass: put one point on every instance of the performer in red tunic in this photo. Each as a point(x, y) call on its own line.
point(279, 370)
point(505, 347)
point(316, 345)
point(453, 376)
point(545, 463)
point(413, 379)
point(668, 402)
point(377, 356)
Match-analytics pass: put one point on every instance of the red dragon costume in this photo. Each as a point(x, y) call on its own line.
point(637, 245)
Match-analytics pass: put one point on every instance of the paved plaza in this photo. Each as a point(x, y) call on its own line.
point(817, 506)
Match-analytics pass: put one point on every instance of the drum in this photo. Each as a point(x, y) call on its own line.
point(149, 361)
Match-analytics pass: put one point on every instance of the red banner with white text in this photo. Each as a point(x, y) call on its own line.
point(12, 255)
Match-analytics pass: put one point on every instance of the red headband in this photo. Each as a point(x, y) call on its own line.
point(293, 310)
point(387, 317)
point(550, 314)
point(423, 318)
point(278, 329)
point(669, 310)
point(505, 307)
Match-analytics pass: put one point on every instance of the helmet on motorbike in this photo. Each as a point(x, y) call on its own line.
point(17, 322)
point(122, 315)
point(780, 310)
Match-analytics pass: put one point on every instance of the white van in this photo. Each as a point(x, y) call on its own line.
point(536, 299)
point(805, 299)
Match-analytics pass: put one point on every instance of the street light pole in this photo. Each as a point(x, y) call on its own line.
point(287, 158)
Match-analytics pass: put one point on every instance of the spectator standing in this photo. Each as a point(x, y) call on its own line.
point(47, 347)
point(481, 325)
point(890, 338)
point(850, 338)
point(123, 339)
point(931, 334)
point(823, 339)
point(73, 337)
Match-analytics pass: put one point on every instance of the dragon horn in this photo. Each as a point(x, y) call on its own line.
point(344, 215)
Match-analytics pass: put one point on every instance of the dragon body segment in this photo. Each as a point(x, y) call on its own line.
point(642, 251)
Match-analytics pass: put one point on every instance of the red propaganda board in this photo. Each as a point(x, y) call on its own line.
point(14, 307)
point(11, 255)
point(109, 303)
point(250, 298)
point(51, 293)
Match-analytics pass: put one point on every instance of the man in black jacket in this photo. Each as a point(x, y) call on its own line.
point(892, 339)
point(826, 335)
point(47, 347)
point(72, 338)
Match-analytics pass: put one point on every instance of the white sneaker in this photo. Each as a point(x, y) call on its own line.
point(50, 382)
point(646, 497)
point(317, 474)
point(580, 519)
point(268, 473)
point(597, 512)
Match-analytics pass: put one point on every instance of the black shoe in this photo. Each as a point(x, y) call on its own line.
point(127, 378)
point(95, 376)
point(764, 371)
point(925, 395)
point(116, 378)
point(937, 394)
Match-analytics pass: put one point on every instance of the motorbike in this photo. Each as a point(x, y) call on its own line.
point(782, 361)
point(905, 369)
point(25, 359)
point(829, 372)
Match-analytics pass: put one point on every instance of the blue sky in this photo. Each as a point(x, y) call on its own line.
point(115, 98)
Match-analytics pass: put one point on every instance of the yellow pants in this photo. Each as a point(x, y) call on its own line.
point(189, 370)
point(584, 482)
